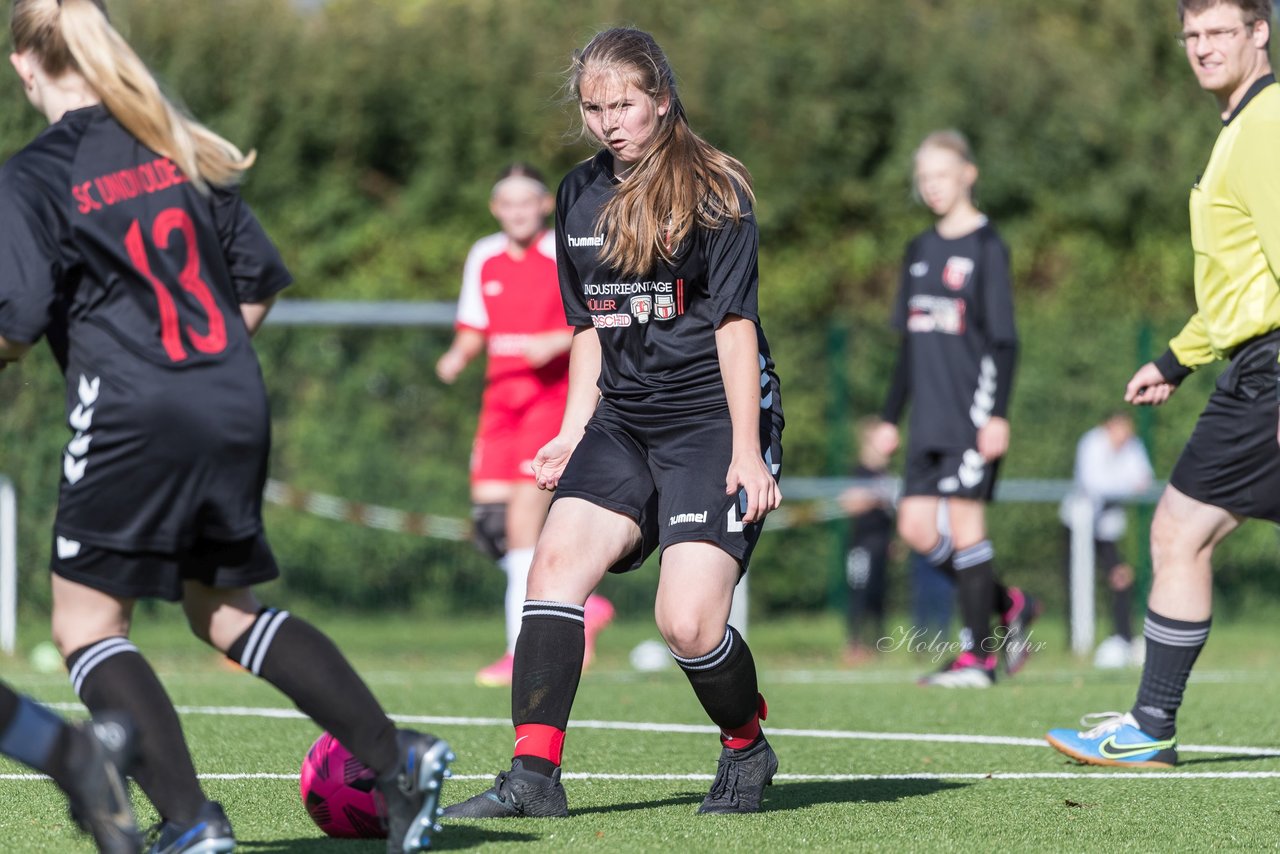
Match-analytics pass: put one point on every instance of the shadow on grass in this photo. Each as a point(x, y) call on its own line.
point(791, 796)
point(1229, 757)
point(454, 838)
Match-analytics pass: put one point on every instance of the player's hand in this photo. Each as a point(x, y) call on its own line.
point(751, 474)
point(884, 438)
point(449, 366)
point(993, 438)
point(550, 461)
point(1148, 387)
point(539, 350)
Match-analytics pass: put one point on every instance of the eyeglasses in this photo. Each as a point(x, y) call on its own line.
point(1214, 38)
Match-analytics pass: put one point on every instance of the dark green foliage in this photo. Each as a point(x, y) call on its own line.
point(379, 126)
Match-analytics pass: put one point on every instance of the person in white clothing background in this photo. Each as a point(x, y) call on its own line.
point(1111, 466)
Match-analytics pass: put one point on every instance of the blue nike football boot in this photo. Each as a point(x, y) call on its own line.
point(1114, 738)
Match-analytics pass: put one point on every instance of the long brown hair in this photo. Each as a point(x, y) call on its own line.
point(75, 35)
point(681, 182)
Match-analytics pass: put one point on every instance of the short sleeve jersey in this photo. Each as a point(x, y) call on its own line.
point(136, 279)
point(657, 331)
point(954, 304)
point(510, 300)
point(1235, 234)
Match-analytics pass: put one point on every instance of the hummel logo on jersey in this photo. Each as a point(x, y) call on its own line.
point(687, 518)
point(919, 268)
point(598, 240)
point(1110, 750)
point(74, 458)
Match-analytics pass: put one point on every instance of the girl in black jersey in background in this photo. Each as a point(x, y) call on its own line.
point(959, 346)
point(670, 436)
point(124, 241)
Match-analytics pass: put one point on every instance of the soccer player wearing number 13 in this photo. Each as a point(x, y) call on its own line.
point(124, 242)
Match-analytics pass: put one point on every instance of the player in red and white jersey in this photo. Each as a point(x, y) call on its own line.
point(510, 310)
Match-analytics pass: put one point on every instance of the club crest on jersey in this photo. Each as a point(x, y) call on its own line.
point(664, 306)
point(955, 275)
point(642, 307)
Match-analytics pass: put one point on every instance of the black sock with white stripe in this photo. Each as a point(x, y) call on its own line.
point(940, 555)
point(975, 587)
point(111, 675)
point(308, 668)
point(724, 681)
point(1172, 649)
point(545, 675)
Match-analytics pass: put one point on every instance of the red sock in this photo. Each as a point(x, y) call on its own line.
point(539, 741)
point(742, 737)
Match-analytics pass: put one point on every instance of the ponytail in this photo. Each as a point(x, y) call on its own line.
point(75, 35)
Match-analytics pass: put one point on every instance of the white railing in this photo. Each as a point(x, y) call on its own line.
point(8, 566)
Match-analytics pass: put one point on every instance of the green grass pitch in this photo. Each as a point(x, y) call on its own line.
point(861, 765)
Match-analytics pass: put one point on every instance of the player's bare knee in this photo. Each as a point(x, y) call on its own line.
point(689, 636)
point(219, 618)
point(71, 632)
point(918, 534)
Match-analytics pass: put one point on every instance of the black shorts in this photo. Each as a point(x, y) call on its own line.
point(1232, 460)
point(668, 477)
point(949, 473)
point(159, 575)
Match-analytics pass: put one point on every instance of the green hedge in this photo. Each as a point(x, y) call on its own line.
point(380, 124)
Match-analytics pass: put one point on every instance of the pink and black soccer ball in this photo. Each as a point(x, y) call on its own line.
point(339, 793)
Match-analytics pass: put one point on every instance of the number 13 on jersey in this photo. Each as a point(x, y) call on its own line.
point(166, 223)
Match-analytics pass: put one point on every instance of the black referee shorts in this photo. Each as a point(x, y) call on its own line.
point(159, 575)
point(1232, 459)
point(669, 478)
point(949, 473)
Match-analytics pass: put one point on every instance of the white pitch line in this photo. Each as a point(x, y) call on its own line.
point(697, 729)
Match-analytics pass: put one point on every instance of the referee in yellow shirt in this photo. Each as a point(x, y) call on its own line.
point(1230, 467)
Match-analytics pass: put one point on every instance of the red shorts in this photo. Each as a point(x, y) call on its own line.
point(513, 427)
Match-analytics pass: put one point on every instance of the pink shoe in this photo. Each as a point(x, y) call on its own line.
point(598, 613)
point(497, 674)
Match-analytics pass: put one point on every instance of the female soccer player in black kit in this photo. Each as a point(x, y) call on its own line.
point(671, 434)
point(124, 241)
point(959, 346)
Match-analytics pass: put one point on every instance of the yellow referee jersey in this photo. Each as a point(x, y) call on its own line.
point(1235, 233)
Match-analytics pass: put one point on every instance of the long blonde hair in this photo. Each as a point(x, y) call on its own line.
point(681, 182)
point(75, 35)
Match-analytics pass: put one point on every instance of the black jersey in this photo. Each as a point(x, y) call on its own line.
point(657, 333)
point(955, 310)
point(137, 279)
point(876, 522)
